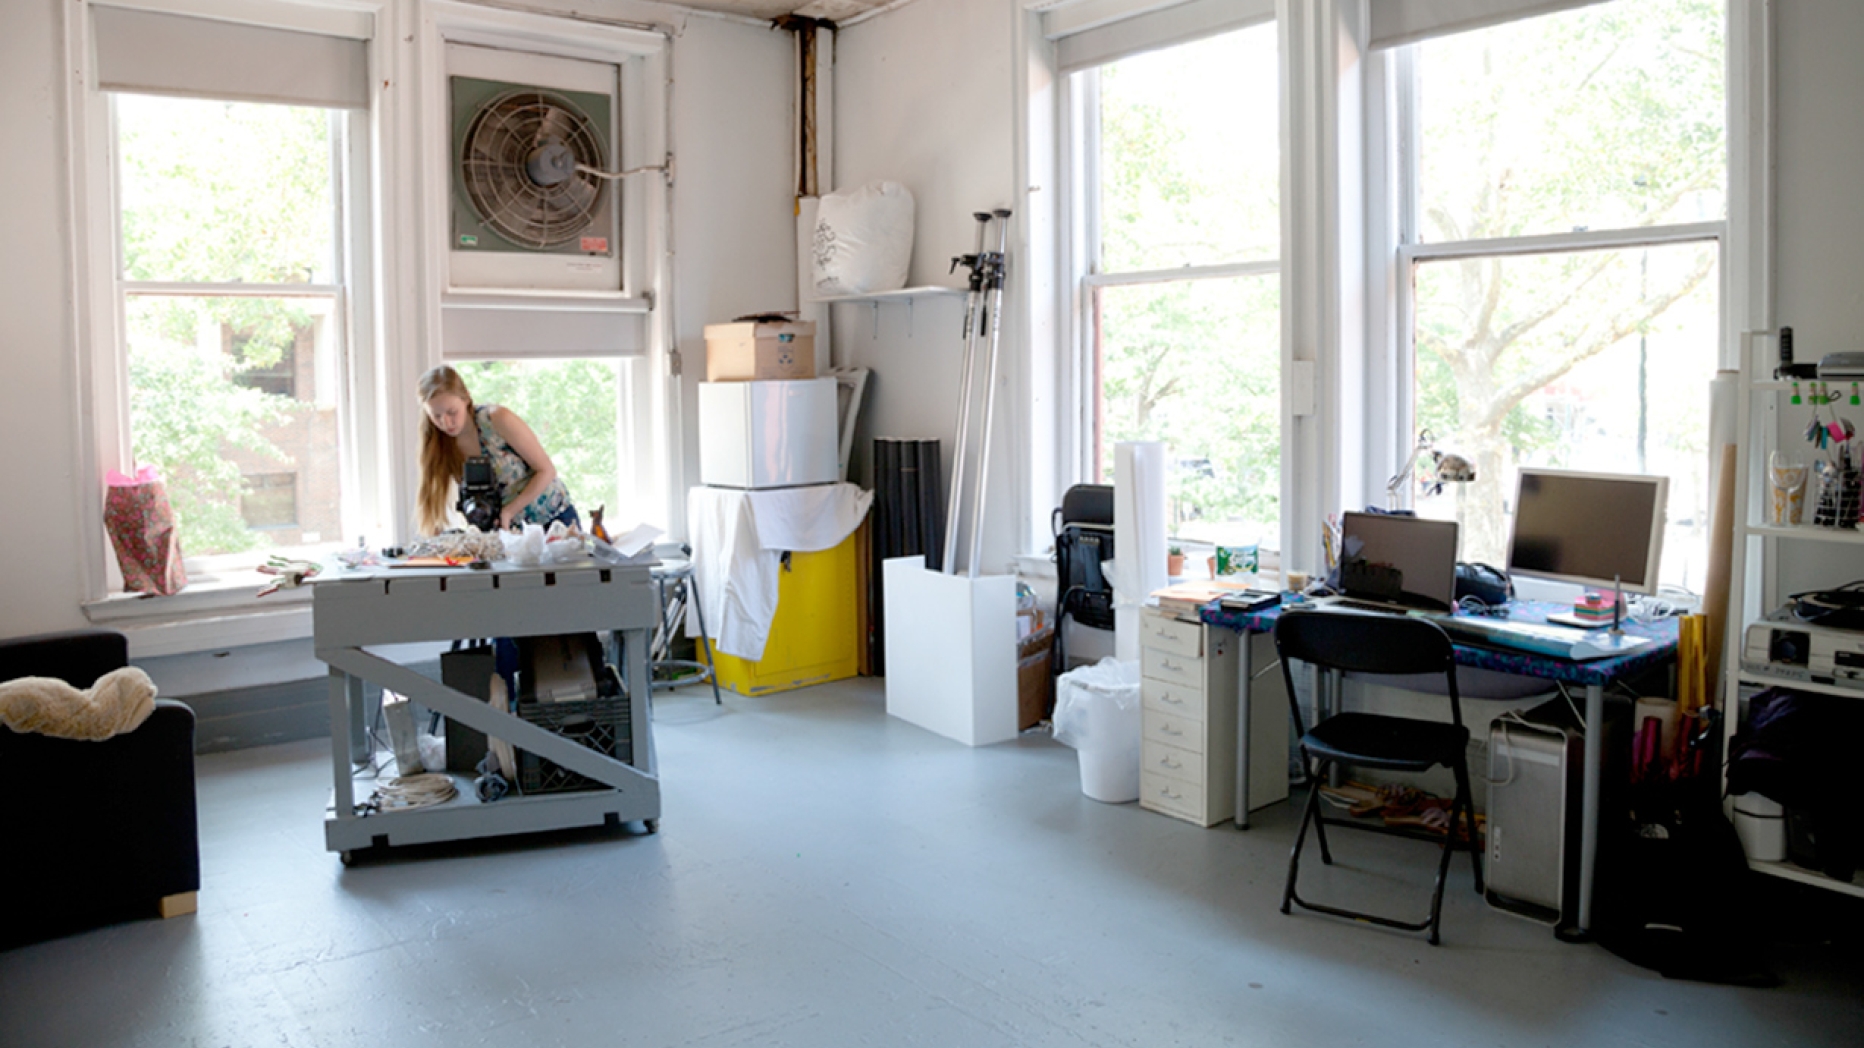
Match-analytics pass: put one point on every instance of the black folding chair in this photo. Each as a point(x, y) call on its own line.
point(1336, 642)
point(1083, 527)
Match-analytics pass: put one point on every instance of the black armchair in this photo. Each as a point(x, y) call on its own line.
point(94, 832)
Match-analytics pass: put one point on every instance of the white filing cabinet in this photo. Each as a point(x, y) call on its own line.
point(1187, 719)
point(1191, 692)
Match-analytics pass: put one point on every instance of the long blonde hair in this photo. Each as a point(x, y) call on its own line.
point(441, 457)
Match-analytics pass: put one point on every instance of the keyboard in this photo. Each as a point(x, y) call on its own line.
point(1536, 638)
point(1361, 605)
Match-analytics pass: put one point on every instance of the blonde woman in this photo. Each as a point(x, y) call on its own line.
point(454, 429)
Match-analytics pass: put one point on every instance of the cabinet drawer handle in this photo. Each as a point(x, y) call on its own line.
point(1173, 699)
point(1168, 664)
point(1167, 762)
point(1166, 729)
point(1165, 791)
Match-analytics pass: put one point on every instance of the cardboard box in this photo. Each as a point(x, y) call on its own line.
point(1035, 682)
point(759, 350)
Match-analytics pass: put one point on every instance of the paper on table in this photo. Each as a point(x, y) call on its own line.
point(632, 545)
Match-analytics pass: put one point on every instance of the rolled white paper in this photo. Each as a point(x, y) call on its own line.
point(1139, 536)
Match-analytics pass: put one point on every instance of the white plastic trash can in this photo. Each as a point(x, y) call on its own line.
point(1097, 713)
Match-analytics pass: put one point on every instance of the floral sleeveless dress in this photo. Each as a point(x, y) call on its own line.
point(514, 473)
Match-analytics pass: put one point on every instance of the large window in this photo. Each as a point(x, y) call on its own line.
point(1182, 288)
point(1565, 207)
point(230, 227)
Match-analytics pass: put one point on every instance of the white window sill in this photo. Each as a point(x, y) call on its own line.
point(217, 610)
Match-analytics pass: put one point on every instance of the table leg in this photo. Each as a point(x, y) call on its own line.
point(634, 645)
point(361, 749)
point(1245, 673)
point(1333, 705)
point(1589, 802)
point(342, 746)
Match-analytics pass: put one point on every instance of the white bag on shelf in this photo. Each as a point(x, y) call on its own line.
point(863, 240)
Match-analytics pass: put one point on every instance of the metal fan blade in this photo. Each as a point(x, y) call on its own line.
point(582, 195)
point(554, 123)
point(512, 180)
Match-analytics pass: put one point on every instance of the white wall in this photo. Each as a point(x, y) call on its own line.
point(734, 226)
point(38, 370)
point(732, 229)
point(923, 97)
point(1818, 223)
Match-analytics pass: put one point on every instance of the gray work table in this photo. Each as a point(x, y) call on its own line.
point(353, 609)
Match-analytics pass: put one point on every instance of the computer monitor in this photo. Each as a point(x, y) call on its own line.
point(1589, 527)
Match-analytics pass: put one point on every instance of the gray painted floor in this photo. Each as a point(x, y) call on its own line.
point(825, 876)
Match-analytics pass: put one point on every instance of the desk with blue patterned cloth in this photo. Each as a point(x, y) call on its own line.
point(1592, 674)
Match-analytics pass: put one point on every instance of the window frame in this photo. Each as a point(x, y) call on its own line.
point(649, 457)
point(168, 625)
point(1079, 145)
point(350, 244)
point(1341, 438)
point(1402, 149)
point(394, 183)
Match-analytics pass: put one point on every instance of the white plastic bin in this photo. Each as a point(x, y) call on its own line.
point(1097, 713)
point(1760, 822)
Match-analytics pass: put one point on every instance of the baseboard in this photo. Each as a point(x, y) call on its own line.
point(269, 714)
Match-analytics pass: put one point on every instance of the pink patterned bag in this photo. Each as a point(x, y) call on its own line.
point(141, 526)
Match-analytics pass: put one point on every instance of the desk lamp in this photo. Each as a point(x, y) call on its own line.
point(1447, 467)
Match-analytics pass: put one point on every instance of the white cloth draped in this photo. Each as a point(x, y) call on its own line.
point(738, 540)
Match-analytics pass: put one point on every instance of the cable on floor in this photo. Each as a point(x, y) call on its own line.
point(405, 792)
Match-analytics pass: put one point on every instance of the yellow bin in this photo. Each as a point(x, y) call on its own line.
point(814, 637)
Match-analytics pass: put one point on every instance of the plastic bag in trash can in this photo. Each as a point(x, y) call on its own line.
point(1097, 712)
point(1096, 704)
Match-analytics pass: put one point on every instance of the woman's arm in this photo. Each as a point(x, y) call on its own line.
point(507, 424)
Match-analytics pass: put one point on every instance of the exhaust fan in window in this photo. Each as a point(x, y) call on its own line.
point(528, 162)
point(533, 201)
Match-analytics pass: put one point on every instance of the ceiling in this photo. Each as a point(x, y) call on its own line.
point(832, 10)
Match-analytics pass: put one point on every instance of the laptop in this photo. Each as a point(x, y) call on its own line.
point(1395, 564)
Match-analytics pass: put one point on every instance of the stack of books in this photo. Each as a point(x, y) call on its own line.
point(1187, 600)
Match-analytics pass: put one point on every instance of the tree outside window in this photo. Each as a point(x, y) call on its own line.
point(1585, 348)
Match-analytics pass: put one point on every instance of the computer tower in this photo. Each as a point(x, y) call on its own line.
point(1531, 867)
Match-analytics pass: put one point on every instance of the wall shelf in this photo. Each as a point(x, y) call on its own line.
point(1804, 876)
point(908, 295)
point(905, 294)
point(1816, 687)
point(1808, 533)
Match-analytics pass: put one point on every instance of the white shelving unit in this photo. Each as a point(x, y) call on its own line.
point(1754, 568)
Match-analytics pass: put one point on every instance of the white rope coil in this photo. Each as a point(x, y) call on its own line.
point(413, 791)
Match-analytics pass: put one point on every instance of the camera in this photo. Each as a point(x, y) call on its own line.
point(479, 497)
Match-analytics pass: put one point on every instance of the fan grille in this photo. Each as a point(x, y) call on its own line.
point(504, 136)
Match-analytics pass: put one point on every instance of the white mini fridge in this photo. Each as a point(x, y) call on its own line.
point(768, 434)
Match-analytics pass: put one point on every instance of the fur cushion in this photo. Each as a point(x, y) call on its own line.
point(119, 702)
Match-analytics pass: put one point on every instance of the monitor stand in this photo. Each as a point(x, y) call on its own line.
point(1567, 618)
point(1607, 643)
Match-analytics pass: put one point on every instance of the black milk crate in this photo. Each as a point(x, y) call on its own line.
point(600, 724)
